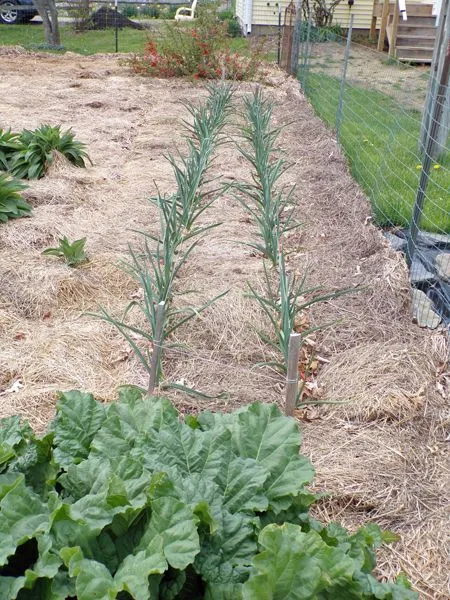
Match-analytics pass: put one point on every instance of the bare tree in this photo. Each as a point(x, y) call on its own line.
point(49, 14)
point(322, 11)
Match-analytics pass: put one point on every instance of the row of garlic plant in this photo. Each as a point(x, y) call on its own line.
point(157, 264)
point(285, 296)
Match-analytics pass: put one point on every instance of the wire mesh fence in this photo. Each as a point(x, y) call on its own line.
point(392, 122)
point(110, 26)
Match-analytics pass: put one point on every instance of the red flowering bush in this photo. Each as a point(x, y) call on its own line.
point(199, 50)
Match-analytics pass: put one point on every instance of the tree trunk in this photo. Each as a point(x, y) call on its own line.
point(49, 14)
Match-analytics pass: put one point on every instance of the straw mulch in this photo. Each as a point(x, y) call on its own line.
point(380, 454)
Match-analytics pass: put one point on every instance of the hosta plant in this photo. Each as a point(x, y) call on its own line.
point(9, 145)
point(12, 205)
point(131, 501)
point(38, 147)
point(73, 253)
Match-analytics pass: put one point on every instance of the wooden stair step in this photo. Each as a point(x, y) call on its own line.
point(415, 40)
point(412, 10)
point(414, 59)
point(415, 53)
point(430, 21)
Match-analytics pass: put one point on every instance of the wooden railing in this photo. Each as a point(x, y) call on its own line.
point(390, 15)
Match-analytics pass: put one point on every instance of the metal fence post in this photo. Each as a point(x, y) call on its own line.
point(432, 135)
point(436, 64)
point(116, 27)
point(343, 78)
point(279, 35)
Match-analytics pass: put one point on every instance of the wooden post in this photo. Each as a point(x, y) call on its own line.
point(293, 67)
point(156, 354)
point(292, 373)
point(393, 40)
point(384, 20)
point(373, 23)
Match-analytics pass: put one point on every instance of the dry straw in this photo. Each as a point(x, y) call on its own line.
point(375, 464)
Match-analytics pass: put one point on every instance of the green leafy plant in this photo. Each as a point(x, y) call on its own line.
point(12, 205)
point(157, 265)
point(9, 145)
point(37, 151)
point(204, 135)
point(270, 208)
point(73, 253)
point(285, 298)
point(130, 501)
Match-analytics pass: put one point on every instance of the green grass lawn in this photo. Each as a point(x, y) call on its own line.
point(380, 140)
point(31, 36)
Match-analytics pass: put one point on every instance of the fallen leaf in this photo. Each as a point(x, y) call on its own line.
point(122, 357)
point(19, 336)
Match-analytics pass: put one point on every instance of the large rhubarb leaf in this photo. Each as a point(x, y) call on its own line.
point(23, 516)
point(175, 523)
point(295, 565)
point(14, 434)
point(273, 440)
point(78, 418)
point(226, 556)
point(127, 422)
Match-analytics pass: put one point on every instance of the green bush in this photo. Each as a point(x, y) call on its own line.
point(152, 12)
point(12, 205)
point(225, 15)
point(129, 10)
point(37, 151)
point(168, 12)
point(131, 501)
point(233, 28)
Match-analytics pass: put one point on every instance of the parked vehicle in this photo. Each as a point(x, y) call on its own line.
point(10, 15)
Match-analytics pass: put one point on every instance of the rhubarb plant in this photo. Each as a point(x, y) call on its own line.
point(132, 501)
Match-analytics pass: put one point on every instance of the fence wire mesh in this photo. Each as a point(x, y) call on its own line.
point(106, 26)
point(392, 122)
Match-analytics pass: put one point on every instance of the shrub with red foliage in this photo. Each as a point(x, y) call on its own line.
point(199, 51)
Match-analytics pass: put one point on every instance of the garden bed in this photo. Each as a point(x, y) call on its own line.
point(380, 455)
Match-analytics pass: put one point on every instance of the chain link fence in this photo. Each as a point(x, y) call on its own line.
point(392, 122)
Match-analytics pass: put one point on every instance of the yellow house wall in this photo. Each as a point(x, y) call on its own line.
point(266, 12)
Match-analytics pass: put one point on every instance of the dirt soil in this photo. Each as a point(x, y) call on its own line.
point(381, 454)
